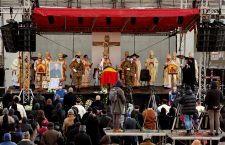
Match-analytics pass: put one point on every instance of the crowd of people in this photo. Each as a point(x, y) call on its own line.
point(59, 122)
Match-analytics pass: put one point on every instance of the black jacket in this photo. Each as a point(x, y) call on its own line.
point(92, 126)
point(69, 100)
point(188, 102)
point(213, 98)
point(82, 139)
point(97, 104)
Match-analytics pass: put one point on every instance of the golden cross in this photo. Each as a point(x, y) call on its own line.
point(106, 44)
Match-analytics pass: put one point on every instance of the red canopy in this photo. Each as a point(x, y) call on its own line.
point(113, 20)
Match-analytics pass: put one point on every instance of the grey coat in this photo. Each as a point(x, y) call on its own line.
point(119, 105)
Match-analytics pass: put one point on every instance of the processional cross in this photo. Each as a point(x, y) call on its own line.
point(106, 44)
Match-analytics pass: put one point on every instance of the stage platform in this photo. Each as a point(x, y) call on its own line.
point(202, 135)
point(133, 132)
point(177, 136)
point(140, 94)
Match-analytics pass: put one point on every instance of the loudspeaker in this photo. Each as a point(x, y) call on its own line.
point(206, 39)
point(51, 19)
point(27, 38)
point(155, 20)
point(2, 77)
point(220, 42)
point(108, 20)
point(180, 20)
point(2, 91)
point(10, 37)
point(133, 20)
point(80, 20)
point(211, 39)
point(145, 76)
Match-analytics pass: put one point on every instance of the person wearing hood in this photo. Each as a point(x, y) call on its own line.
point(213, 99)
point(188, 101)
point(68, 121)
point(118, 102)
point(7, 140)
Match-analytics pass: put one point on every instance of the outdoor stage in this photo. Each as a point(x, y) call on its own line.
point(140, 94)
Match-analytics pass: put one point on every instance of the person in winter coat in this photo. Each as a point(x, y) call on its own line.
point(7, 140)
point(6, 121)
point(118, 102)
point(105, 140)
point(213, 99)
point(164, 120)
point(93, 129)
point(82, 138)
point(51, 136)
point(149, 116)
point(97, 103)
point(69, 99)
point(48, 109)
point(188, 101)
point(68, 121)
point(26, 139)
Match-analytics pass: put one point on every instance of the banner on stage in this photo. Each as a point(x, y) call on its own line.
point(109, 42)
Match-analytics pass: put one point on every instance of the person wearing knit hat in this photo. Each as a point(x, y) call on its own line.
point(7, 140)
point(70, 112)
point(68, 121)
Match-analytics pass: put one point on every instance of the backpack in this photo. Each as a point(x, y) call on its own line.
point(113, 95)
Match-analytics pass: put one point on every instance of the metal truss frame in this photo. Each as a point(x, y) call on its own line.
point(26, 93)
point(202, 77)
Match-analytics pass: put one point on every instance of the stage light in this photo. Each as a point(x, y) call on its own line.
point(51, 19)
point(155, 20)
point(133, 20)
point(108, 20)
point(180, 20)
point(80, 20)
point(10, 37)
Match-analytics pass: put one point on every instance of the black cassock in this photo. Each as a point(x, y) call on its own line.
point(189, 72)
